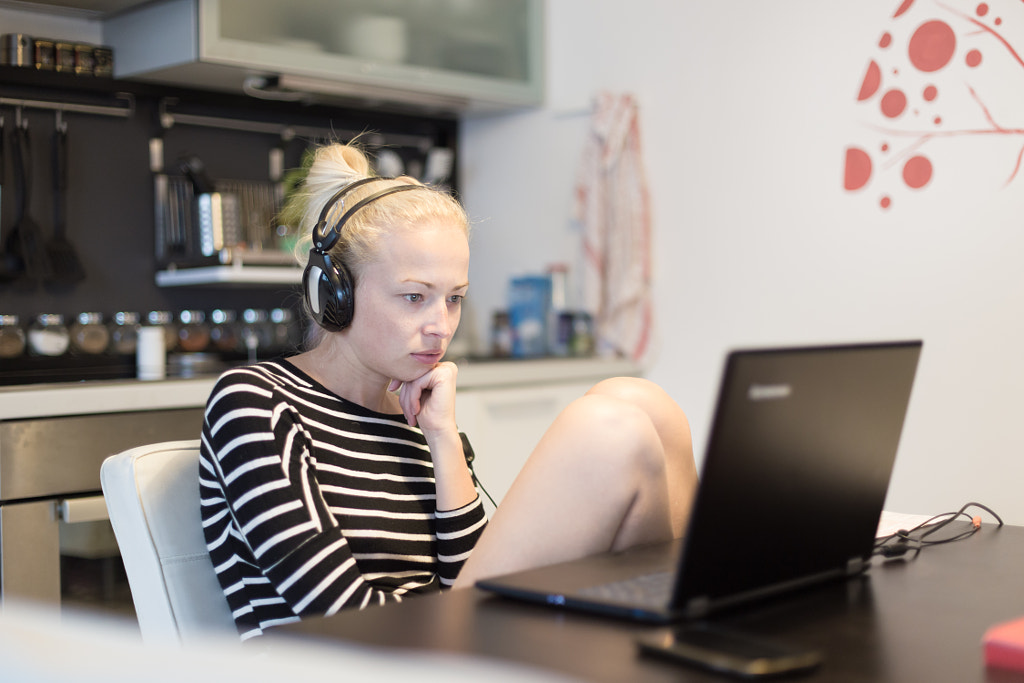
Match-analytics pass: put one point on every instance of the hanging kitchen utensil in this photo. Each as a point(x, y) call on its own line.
point(66, 267)
point(30, 245)
point(11, 266)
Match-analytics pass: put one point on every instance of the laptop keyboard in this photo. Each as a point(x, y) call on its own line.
point(646, 589)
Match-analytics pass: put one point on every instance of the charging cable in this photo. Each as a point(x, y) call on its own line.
point(905, 541)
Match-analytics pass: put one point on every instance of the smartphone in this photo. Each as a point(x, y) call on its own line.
point(727, 651)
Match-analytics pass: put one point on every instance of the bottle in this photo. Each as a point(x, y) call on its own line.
point(151, 353)
point(12, 337)
point(89, 336)
point(501, 335)
point(124, 333)
point(48, 336)
point(582, 343)
point(255, 332)
point(559, 318)
point(193, 334)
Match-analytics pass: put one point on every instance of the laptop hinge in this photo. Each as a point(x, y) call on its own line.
point(855, 565)
point(697, 608)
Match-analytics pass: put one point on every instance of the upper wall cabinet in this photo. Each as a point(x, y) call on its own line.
point(448, 55)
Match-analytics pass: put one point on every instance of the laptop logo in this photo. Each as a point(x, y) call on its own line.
point(769, 392)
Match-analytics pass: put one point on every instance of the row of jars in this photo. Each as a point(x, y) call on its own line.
point(190, 331)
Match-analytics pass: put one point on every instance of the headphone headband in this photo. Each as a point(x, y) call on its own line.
point(324, 241)
point(328, 288)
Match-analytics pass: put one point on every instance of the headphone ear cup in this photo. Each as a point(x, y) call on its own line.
point(328, 291)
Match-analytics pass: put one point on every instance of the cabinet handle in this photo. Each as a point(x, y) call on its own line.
point(91, 509)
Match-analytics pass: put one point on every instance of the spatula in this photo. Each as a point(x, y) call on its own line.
point(11, 265)
point(30, 238)
point(65, 266)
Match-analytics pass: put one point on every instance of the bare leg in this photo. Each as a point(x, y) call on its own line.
point(614, 470)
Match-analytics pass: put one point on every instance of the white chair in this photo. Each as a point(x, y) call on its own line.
point(152, 495)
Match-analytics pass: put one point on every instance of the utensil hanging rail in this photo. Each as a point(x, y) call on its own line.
point(288, 131)
point(78, 108)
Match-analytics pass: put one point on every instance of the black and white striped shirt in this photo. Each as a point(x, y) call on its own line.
point(311, 503)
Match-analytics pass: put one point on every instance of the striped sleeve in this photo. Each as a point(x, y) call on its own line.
point(457, 534)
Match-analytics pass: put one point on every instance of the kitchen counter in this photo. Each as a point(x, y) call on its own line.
point(94, 397)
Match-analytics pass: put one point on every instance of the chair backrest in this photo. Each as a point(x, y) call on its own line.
point(152, 495)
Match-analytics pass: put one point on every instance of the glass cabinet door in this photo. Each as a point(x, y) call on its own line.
point(454, 47)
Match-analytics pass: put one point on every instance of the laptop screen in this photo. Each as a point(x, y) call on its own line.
point(797, 468)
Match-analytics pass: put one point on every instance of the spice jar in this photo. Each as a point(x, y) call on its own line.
point(282, 321)
point(48, 336)
point(165, 320)
point(88, 334)
point(193, 334)
point(256, 330)
point(124, 332)
point(12, 337)
point(224, 331)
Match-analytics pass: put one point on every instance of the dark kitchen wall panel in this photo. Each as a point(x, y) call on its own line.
point(110, 198)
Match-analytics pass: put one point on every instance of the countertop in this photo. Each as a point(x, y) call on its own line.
point(92, 397)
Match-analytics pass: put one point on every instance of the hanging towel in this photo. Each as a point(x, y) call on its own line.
point(612, 206)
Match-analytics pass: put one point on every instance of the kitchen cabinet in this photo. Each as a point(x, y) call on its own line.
point(447, 55)
point(505, 422)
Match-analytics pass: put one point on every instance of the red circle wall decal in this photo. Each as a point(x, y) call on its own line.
point(858, 168)
point(893, 103)
point(932, 45)
point(872, 79)
point(917, 172)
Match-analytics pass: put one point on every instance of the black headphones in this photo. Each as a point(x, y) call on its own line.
point(326, 283)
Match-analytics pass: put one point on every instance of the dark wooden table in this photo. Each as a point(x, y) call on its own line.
point(917, 621)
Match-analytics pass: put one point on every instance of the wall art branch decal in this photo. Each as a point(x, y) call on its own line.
point(927, 85)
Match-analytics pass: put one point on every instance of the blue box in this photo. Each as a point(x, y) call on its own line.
point(528, 310)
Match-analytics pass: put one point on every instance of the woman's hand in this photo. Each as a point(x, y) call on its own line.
point(429, 400)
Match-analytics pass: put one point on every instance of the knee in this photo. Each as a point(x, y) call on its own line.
point(668, 418)
point(617, 431)
point(632, 389)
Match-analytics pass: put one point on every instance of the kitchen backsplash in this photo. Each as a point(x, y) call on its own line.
point(107, 205)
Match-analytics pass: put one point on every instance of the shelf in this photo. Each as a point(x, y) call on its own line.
point(230, 275)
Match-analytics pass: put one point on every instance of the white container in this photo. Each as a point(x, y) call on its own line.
point(151, 353)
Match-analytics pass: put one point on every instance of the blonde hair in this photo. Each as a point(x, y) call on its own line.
point(337, 165)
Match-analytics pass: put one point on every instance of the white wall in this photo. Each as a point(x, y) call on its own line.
point(747, 109)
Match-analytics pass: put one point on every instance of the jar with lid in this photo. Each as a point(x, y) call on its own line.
point(165, 320)
point(256, 331)
point(282, 321)
point(89, 336)
point(193, 333)
point(124, 332)
point(224, 330)
point(12, 337)
point(582, 342)
point(48, 335)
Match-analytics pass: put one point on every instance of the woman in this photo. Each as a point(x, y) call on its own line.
point(337, 478)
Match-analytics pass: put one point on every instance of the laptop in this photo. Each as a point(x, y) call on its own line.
point(791, 490)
